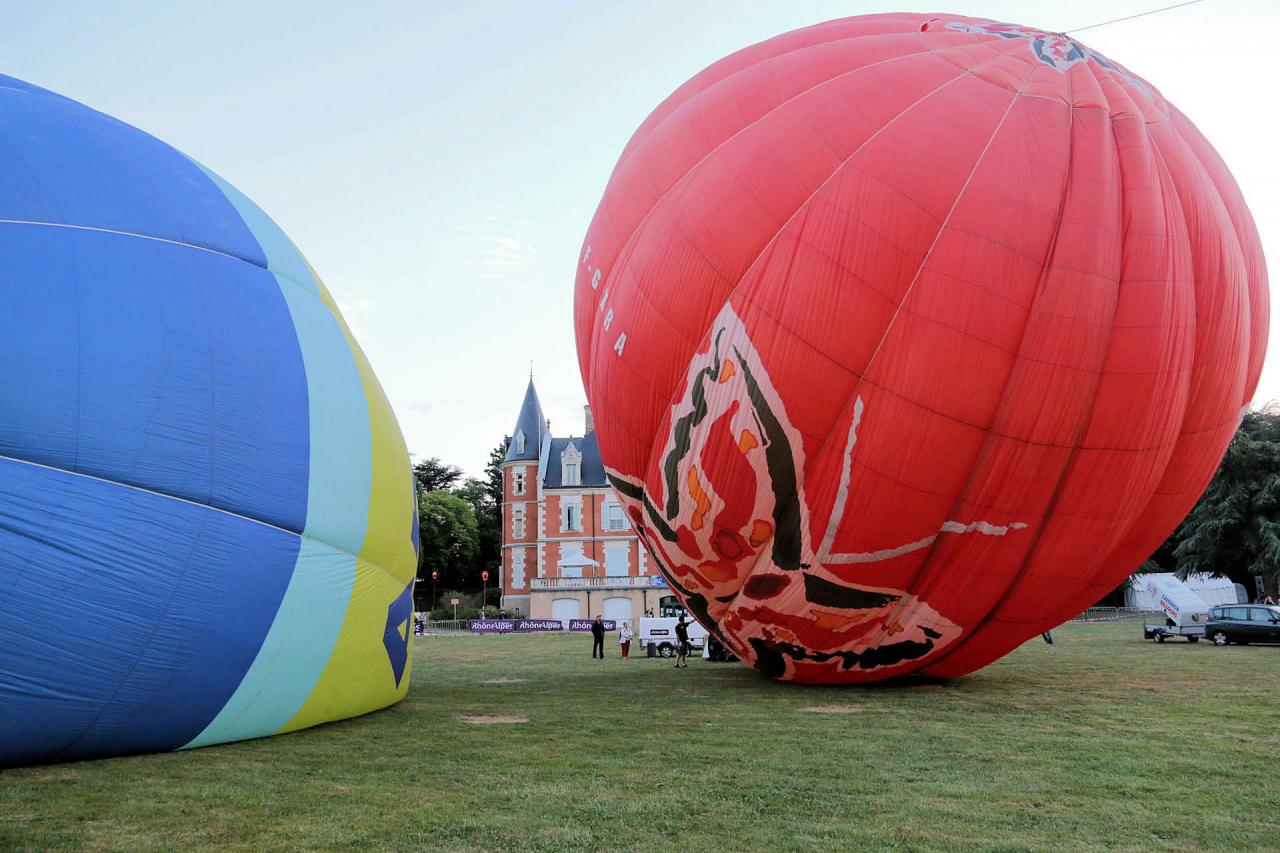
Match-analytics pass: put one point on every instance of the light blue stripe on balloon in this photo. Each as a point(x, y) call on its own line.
point(341, 441)
point(295, 651)
point(282, 255)
point(306, 627)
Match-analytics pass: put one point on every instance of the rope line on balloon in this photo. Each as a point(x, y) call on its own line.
point(1131, 17)
point(302, 534)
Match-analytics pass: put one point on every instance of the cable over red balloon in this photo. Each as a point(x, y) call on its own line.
point(909, 337)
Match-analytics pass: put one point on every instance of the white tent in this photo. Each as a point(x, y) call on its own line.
point(577, 561)
point(1212, 590)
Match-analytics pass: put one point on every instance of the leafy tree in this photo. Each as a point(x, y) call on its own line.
point(460, 525)
point(1234, 529)
point(476, 493)
point(488, 523)
point(493, 471)
point(435, 476)
point(485, 498)
point(450, 539)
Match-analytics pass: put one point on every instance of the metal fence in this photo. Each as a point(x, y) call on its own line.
point(1119, 614)
point(607, 582)
point(443, 626)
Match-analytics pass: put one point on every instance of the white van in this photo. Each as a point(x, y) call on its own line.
point(657, 635)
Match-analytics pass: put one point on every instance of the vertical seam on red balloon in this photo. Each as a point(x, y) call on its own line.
point(1158, 159)
point(1163, 165)
point(991, 434)
point(1018, 576)
point(1235, 235)
point(853, 395)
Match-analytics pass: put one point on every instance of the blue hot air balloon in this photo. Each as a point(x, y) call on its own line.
point(207, 524)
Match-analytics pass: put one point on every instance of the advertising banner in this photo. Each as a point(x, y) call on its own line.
point(529, 626)
point(493, 626)
point(516, 626)
point(585, 624)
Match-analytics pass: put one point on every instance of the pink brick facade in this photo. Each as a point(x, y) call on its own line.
point(568, 550)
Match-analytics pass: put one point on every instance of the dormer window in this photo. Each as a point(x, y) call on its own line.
point(571, 466)
point(520, 442)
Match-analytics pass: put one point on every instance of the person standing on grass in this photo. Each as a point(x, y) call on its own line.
point(624, 639)
point(597, 638)
point(682, 643)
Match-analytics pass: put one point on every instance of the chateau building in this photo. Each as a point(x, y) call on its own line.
point(568, 549)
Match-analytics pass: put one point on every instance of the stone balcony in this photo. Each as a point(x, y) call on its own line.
point(612, 582)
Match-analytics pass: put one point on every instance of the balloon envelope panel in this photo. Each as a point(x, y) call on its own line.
point(206, 507)
point(908, 337)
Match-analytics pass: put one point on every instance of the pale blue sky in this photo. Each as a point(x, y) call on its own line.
point(439, 163)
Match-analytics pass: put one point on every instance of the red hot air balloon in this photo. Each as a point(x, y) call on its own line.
point(908, 337)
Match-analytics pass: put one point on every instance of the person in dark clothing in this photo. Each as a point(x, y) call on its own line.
point(682, 643)
point(597, 638)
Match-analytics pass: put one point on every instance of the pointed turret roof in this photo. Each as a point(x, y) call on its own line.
point(532, 425)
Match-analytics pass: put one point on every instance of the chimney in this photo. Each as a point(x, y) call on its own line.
point(591, 422)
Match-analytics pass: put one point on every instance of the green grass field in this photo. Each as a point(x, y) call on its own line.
point(1099, 741)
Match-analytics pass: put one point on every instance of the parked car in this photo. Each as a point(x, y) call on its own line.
point(1243, 623)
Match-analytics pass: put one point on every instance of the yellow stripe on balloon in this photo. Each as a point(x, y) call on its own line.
point(358, 677)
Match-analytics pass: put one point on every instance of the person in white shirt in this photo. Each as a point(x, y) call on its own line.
point(624, 639)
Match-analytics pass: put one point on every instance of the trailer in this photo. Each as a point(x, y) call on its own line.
point(657, 635)
point(1185, 613)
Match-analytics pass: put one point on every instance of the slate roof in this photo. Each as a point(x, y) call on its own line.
point(540, 447)
point(534, 426)
point(592, 470)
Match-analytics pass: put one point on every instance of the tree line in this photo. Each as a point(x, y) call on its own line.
point(459, 527)
point(1234, 529)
